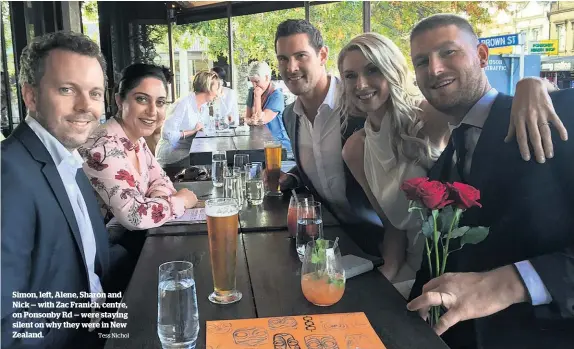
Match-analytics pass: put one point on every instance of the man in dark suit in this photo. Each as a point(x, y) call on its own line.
point(54, 242)
point(515, 289)
point(315, 131)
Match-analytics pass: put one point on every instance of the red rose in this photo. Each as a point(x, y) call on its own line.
point(433, 194)
point(464, 196)
point(410, 187)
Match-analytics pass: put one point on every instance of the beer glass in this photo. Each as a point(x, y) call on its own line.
point(273, 167)
point(222, 231)
point(218, 166)
point(254, 183)
point(309, 225)
point(177, 316)
point(292, 211)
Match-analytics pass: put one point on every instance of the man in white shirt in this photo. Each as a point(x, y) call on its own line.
point(53, 235)
point(313, 126)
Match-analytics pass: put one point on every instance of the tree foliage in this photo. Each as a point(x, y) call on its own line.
point(253, 35)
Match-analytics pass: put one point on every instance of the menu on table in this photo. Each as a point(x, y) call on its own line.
point(328, 331)
point(191, 216)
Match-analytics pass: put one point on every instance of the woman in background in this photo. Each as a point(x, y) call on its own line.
point(130, 183)
point(265, 103)
point(185, 119)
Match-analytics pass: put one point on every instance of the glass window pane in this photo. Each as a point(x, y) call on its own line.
point(338, 23)
point(254, 40)
point(12, 78)
point(90, 20)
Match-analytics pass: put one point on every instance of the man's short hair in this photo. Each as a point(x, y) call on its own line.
point(443, 20)
point(300, 26)
point(220, 72)
point(32, 60)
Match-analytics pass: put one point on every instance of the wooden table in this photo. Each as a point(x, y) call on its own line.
point(141, 295)
point(268, 275)
point(271, 215)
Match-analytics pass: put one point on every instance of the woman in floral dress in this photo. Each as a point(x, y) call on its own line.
point(131, 185)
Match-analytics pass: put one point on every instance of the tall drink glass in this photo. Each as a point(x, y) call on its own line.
point(254, 183)
point(292, 211)
point(239, 162)
point(273, 167)
point(222, 230)
point(177, 316)
point(218, 166)
point(309, 225)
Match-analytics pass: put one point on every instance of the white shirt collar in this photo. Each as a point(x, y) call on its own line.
point(478, 114)
point(56, 149)
point(328, 101)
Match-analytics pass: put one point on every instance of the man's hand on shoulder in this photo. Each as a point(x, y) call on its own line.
point(470, 295)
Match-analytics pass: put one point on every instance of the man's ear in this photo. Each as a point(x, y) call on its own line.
point(324, 55)
point(30, 96)
point(483, 54)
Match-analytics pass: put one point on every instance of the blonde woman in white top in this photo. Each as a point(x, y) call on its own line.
point(402, 138)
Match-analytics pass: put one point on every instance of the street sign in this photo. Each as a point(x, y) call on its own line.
point(544, 47)
point(500, 41)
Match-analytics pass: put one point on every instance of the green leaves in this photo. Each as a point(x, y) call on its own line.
point(445, 218)
point(339, 282)
point(318, 254)
point(458, 232)
point(474, 235)
point(428, 228)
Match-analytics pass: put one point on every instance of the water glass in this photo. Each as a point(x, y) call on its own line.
point(322, 274)
point(177, 316)
point(254, 183)
point(232, 186)
point(218, 166)
point(309, 225)
point(239, 162)
point(292, 211)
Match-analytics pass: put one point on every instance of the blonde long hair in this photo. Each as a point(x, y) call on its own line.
point(404, 97)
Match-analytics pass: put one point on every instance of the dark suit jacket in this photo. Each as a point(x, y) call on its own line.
point(369, 233)
point(529, 208)
point(41, 243)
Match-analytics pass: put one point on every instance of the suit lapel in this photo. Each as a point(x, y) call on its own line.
point(100, 232)
point(40, 154)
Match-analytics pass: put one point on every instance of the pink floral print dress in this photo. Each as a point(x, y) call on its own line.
point(123, 191)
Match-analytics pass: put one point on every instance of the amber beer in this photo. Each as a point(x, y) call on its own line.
point(273, 167)
point(222, 229)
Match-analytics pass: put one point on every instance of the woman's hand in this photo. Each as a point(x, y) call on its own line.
point(257, 91)
point(532, 110)
point(198, 127)
point(189, 198)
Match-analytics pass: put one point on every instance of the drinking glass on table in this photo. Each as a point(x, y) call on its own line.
point(309, 225)
point(222, 231)
point(322, 274)
point(254, 183)
point(177, 316)
point(292, 211)
point(239, 161)
point(273, 167)
point(232, 185)
point(218, 166)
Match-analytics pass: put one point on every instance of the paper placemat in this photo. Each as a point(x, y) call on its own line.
point(333, 331)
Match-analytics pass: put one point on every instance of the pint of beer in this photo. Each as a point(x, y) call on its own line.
point(273, 167)
point(222, 229)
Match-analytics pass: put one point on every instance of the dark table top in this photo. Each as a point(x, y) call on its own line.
point(141, 295)
point(272, 215)
point(275, 272)
point(208, 145)
point(269, 276)
point(230, 132)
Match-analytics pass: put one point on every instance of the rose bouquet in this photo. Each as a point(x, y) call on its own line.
point(441, 206)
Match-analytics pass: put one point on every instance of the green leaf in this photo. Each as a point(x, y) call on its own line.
point(474, 235)
point(415, 208)
point(445, 219)
point(428, 228)
point(458, 232)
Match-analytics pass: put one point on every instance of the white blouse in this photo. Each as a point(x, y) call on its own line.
point(385, 175)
